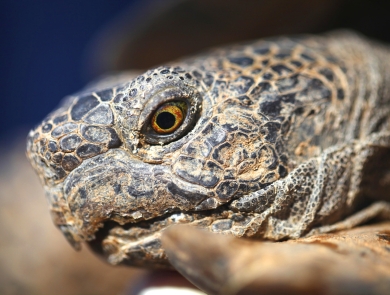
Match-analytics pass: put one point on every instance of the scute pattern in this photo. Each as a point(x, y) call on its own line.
point(68, 140)
point(281, 135)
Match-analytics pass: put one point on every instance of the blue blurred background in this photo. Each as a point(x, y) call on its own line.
point(43, 47)
point(45, 44)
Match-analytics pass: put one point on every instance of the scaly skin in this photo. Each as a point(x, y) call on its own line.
point(282, 138)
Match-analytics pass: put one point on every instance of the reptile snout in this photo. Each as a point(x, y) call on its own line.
point(123, 189)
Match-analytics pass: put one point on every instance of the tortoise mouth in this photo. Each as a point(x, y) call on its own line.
point(138, 244)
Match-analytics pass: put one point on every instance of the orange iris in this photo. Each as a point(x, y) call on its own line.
point(169, 117)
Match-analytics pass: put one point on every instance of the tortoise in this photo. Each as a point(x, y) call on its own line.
point(278, 139)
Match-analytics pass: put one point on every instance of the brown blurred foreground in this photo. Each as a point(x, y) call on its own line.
point(34, 256)
point(355, 261)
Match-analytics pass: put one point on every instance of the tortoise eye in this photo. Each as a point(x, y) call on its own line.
point(169, 114)
point(169, 117)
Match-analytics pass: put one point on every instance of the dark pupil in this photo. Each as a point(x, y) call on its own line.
point(165, 120)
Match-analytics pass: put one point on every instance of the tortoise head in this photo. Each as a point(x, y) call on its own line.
point(176, 144)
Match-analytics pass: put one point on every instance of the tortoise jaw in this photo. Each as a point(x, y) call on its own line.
point(139, 244)
point(135, 244)
point(115, 186)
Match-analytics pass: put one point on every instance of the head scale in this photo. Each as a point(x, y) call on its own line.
point(102, 161)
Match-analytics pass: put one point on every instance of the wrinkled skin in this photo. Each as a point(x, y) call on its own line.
point(282, 138)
